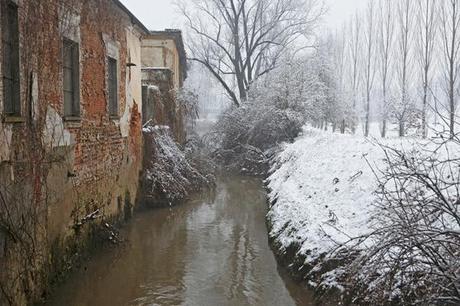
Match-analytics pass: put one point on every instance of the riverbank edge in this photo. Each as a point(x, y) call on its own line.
point(294, 263)
point(78, 249)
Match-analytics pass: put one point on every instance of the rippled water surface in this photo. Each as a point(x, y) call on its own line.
point(210, 251)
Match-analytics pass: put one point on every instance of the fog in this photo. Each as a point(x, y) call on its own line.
point(161, 14)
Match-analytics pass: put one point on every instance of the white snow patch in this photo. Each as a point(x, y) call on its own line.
point(324, 190)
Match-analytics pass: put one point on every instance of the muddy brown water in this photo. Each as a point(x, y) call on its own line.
point(212, 250)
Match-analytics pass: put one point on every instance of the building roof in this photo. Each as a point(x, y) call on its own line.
point(134, 19)
point(175, 35)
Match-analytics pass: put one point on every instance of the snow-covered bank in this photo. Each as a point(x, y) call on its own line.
point(322, 192)
point(377, 219)
point(324, 188)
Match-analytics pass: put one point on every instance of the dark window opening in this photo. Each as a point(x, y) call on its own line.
point(71, 82)
point(10, 46)
point(113, 86)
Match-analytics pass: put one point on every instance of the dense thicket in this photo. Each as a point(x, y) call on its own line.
point(277, 108)
point(413, 254)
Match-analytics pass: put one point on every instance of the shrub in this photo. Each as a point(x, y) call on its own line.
point(169, 175)
point(414, 253)
point(278, 106)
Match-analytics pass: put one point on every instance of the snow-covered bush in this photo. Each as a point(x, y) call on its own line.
point(169, 176)
point(414, 253)
point(277, 108)
point(378, 220)
point(188, 100)
point(197, 154)
point(406, 115)
point(335, 105)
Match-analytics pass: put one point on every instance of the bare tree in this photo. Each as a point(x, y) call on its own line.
point(328, 69)
point(385, 46)
point(369, 69)
point(355, 42)
point(450, 21)
point(426, 46)
point(403, 109)
point(339, 54)
point(242, 40)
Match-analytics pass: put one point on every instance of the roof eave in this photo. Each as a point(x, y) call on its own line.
point(134, 19)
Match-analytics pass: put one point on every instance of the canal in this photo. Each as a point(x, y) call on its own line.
point(212, 250)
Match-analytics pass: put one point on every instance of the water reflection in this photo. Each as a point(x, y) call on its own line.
point(211, 251)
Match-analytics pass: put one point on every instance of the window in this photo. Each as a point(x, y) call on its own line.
point(71, 67)
point(10, 47)
point(113, 86)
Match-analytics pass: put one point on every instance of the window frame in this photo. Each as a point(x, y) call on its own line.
point(10, 39)
point(71, 109)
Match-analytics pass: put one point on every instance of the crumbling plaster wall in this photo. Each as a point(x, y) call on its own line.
point(161, 53)
point(94, 162)
point(134, 91)
point(106, 156)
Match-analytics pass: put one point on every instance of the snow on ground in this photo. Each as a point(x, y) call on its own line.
point(324, 189)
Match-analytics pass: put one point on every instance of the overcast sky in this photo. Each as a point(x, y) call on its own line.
point(161, 14)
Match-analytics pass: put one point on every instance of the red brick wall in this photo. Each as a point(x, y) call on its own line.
point(100, 166)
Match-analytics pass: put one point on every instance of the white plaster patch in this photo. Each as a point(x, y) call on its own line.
point(112, 47)
point(133, 84)
point(35, 103)
point(55, 134)
point(6, 134)
point(125, 118)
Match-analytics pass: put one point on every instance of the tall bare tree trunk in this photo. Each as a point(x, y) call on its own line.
point(369, 69)
point(453, 67)
point(427, 25)
point(386, 43)
point(355, 29)
point(450, 19)
point(404, 12)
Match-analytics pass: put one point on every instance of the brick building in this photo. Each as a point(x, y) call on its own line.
point(164, 69)
point(70, 132)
